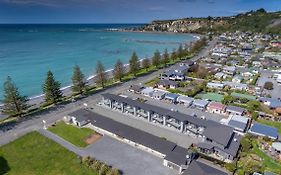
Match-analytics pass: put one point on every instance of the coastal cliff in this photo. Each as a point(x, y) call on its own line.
point(255, 21)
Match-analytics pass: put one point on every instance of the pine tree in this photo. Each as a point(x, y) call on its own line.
point(119, 70)
point(174, 55)
point(134, 64)
point(78, 80)
point(180, 51)
point(51, 89)
point(166, 57)
point(146, 63)
point(156, 58)
point(101, 77)
point(14, 103)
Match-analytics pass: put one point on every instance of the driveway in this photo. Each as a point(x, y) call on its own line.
point(130, 160)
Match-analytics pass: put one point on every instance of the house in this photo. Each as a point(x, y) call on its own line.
point(200, 168)
point(237, 79)
point(187, 101)
point(239, 123)
point(276, 148)
point(237, 86)
point(147, 92)
point(167, 84)
point(136, 89)
point(200, 104)
point(158, 95)
point(80, 121)
point(213, 97)
point(235, 110)
point(187, 63)
point(215, 107)
point(230, 70)
point(264, 131)
point(172, 75)
point(180, 68)
point(243, 96)
point(215, 85)
point(222, 141)
point(219, 75)
point(171, 97)
point(270, 102)
point(257, 64)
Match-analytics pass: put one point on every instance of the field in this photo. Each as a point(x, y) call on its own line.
point(33, 154)
point(71, 133)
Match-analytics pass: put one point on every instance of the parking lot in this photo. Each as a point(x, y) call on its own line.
point(130, 160)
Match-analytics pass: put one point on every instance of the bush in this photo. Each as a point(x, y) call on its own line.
point(255, 115)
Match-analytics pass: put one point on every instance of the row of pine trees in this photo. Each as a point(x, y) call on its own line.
point(16, 105)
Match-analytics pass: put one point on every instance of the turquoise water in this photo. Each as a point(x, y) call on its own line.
point(28, 52)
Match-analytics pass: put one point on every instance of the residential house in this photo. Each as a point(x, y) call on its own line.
point(237, 86)
point(201, 168)
point(200, 104)
point(264, 131)
point(230, 70)
point(219, 75)
point(147, 92)
point(270, 102)
point(171, 97)
point(239, 123)
point(215, 107)
point(237, 79)
point(167, 84)
point(158, 95)
point(214, 85)
point(235, 110)
point(136, 89)
point(243, 96)
point(187, 101)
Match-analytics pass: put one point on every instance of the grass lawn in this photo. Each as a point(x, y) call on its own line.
point(34, 154)
point(268, 162)
point(71, 133)
point(271, 123)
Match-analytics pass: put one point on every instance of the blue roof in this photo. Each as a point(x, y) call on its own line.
point(237, 124)
point(274, 103)
point(171, 96)
point(261, 129)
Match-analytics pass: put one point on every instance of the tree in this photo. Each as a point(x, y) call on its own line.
point(146, 63)
point(118, 70)
point(134, 64)
point(51, 89)
point(255, 115)
point(174, 55)
point(156, 58)
point(180, 51)
point(79, 84)
point(101, 77)
point(253, 105)
point(113, 171)
point(268, 85)
point(246, 144)
point(166, 57)
point(14, 103)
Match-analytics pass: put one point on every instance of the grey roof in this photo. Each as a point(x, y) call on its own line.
point(128, 132)
point(233, 145)
point(235, 109)
point(177, 156)
point(201, 103)
point(82, 118)
point(187, 99)
point(205, 145)
point(200, 168)
point(158, 93)
point(167, 83)
point(162, 111)
point(237, 125)
point(220, 134)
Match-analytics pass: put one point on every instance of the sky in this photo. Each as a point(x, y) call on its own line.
point(123, 11)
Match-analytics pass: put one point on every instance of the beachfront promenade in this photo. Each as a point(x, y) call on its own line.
point(51, 116)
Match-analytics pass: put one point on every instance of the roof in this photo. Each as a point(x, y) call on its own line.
point(229, 68)
point(276, 146)
point(177, 156)
point(215, 84)
point(273, 103)
point(81, 118)
point(264, 130)
point(158, 93)
point(237, 125)
point(171, 96)
point(183, 98)
point(220, 134)
point(201, 103)
point(200, 168)
point(239, 95)
point(147, 90)
point(213, 97)
point(239, 118)
point(235, 109)
point(205, 145)
point(269, 173)
point(216, 105)
point(128, 132)
point(167, 83)
point(136, 88)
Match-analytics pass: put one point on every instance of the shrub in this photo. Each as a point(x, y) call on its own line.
point(268, 85)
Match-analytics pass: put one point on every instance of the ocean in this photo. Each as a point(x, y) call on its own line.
point(27, 52)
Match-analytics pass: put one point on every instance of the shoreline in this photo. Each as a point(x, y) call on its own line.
point(66, 89)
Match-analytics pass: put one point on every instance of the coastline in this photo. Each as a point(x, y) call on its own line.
point(67, 89)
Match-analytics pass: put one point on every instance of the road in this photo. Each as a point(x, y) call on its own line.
point(57, 113)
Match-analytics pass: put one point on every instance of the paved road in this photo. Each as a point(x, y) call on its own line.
point(51, 116)
point(130, 160)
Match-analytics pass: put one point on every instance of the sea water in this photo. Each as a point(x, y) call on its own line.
point(27, 52)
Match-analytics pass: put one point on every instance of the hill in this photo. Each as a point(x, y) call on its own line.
point(255, 21)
